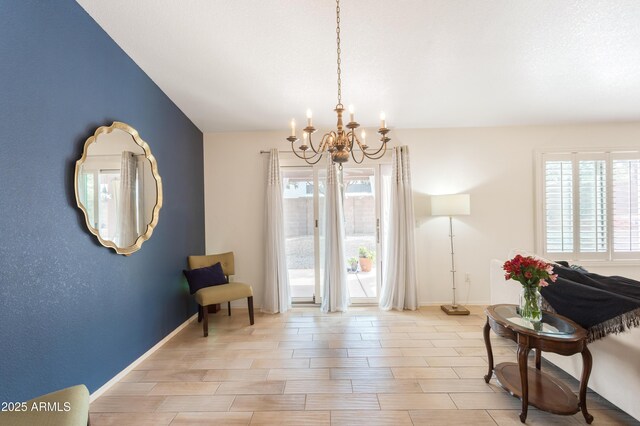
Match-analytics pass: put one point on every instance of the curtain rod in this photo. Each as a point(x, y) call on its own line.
point(292, 152)
point(280, 151)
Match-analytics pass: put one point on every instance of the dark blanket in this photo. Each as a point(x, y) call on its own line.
point(602, 305)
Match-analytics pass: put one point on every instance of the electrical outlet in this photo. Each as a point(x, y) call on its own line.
point(467, 278)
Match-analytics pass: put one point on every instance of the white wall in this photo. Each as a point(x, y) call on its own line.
point(494, 165)
point(234, 186)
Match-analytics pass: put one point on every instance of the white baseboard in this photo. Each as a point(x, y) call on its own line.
point(448, 302)
point(135, 363)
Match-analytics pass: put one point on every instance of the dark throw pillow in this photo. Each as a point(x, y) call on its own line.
point(205, 277)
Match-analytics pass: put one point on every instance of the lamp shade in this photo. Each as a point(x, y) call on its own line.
point(451, 205)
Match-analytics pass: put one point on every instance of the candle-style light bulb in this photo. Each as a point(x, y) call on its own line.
point(309, 115)
point(351, 113)
point(383, 120)
point(364, 136)
point(305, 135)
point(293, 127)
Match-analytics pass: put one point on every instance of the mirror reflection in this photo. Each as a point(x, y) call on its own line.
point(117, 189)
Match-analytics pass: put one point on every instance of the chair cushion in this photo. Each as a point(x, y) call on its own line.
point(223, 293)
point(205, 277)
point(66, 407)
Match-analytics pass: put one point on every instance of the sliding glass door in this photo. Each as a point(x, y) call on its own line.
point(363, 193)
point(361, 223)
point(303, 205)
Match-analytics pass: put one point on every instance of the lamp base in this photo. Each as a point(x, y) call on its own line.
point(454, 310)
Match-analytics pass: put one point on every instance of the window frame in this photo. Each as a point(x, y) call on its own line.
point(575, 155)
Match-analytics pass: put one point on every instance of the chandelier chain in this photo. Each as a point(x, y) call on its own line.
point(338, 51)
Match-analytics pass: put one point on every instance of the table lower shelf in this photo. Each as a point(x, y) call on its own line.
point(545, 392)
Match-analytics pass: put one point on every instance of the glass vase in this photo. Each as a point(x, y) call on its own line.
point(530, 302)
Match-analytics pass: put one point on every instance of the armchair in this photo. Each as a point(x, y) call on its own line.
point(214, 295)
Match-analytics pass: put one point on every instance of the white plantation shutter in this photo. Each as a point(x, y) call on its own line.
point(591, 205)
point(559, 206)
point(626, 192)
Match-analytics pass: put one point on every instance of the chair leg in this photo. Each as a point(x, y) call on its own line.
point(199, 313)
point(229, 308)
point(205, 320)
point(250, 305)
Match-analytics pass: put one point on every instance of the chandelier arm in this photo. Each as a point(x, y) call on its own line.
point(351, 136)
point(353, 155)
point(296, 152)
point(313, 148)
point(368, 155)
point(299, 156)
point(378, 150)
point(375, 156)
point(304, 155)
point(359, 144)
point(320, 146)
point(309, 159)
point(325, 140)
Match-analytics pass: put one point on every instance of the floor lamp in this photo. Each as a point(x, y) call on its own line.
point(452, 205)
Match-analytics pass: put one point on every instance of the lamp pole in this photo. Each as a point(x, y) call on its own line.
point(453, 309)
point(454, 305)
point(452, 205)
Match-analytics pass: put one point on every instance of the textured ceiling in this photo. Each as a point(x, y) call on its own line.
point(240, 65)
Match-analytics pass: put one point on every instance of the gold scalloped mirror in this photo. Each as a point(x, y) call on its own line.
point(118, 187)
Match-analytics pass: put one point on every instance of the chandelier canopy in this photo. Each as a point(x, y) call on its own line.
point(339, 143)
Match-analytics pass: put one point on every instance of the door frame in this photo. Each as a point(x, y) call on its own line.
point(317, 170)
point(379, 231)
point(313, 299)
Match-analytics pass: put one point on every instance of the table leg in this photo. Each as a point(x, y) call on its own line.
point(538, 359)
point(587, 362)
point(487, 343)
point(523, 352)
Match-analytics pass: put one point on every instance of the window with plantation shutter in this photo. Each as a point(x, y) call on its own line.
point(592, 212)
point(590, 205)
point(559, 202)
point(626, 192)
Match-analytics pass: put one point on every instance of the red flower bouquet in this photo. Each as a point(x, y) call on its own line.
point(532, 273)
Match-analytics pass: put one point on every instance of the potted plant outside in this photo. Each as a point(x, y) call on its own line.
point(353, 264)
point(366, 258)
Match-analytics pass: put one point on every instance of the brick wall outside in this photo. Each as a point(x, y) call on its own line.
point(359, 211)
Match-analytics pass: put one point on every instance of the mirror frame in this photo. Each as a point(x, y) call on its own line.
point(104, 130)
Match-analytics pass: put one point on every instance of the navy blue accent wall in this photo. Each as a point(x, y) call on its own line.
point(72, 311)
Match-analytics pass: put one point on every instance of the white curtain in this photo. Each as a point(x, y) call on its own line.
point(336, 294)
point(143, 220)
point(276, 294)
point(127, 224)
point(399, 285)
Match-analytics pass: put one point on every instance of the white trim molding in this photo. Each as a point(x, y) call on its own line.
point(95, 395)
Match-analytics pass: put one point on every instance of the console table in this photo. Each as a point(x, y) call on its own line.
point(554, 334)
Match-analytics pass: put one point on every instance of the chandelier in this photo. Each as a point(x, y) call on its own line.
point(339, 143)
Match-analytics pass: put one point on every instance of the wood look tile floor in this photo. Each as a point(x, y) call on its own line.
point(304, 367)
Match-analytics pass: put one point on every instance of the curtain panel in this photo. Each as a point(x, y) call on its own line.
point(399, 285)
point(276, 279)
point(336, 294)
point(126, 222)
